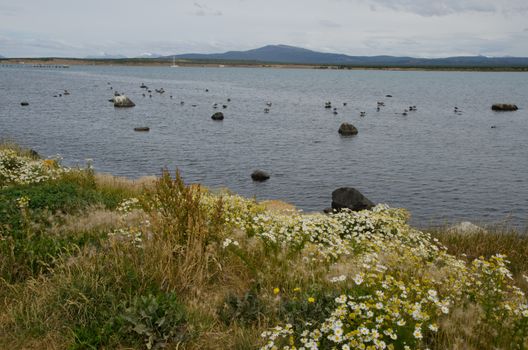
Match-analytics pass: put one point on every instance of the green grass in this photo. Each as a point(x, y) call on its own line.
point(29, 247)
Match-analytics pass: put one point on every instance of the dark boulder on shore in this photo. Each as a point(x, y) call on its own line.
point(34, 154)
point(504, 107)
point(347, 129)
point(123, 101)
point(260, 176)
point(218, 116)
point(350, 198)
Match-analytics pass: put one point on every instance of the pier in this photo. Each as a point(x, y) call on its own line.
point(43, 66)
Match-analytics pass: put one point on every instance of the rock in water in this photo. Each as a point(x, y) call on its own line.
point(504, 107)
point(259, 175)
point(466, 227)
point(347, 129)
point(218, 116)
point(142, 128)
point(348, 197)
point(123, 101)
point(24, 103)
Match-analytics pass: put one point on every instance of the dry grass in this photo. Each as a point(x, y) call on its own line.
point(185, 235)
point(233, 337)
point(278, 207)
point(459, 330)
point(494, 240)
point(92, 219)
point(50, 341)
point(123, 183)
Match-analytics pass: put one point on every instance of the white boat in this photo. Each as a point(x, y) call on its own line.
point(174, 65)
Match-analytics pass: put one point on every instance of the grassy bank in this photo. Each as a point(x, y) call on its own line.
point(95, 262)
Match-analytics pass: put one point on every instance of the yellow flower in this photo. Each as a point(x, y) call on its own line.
point(296, 289)
point(311, 300)
point(276, 290)
point(49, 163)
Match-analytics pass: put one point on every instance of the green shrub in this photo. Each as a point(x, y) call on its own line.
point(312, 308)
point(245, 310)
point(156, 319)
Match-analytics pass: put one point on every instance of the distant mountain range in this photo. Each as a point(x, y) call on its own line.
point(284, 54)
point(297, 55)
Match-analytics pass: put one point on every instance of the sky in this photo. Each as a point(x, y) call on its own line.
point(419, 28)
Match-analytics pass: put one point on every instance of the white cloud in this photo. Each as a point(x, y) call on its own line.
point(204, 10)
point(329, 24)
point(449, 7)
point(356, 27)
point(461, 44)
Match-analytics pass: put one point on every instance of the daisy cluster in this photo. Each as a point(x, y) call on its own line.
point(16, 169)
point(127, 205)
point(327, 238)
point(130, 235)
point(400, 284)
point(130, 231)
point(237, 211)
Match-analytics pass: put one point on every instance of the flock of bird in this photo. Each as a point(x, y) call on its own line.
point(65, 93)
point(267, 109)
point(328, 105)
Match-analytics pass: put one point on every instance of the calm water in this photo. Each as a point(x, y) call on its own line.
point(439, 165)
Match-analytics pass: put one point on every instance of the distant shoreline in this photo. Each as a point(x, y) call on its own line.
point(239, 64)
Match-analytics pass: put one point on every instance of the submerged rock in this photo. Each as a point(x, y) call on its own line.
point(259, 175)
point(123, 101)
point(218, 116)
point(350, 198)
point(347, 129)
point(504, 107)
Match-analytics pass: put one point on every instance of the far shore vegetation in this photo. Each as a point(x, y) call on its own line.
point(93, 261)
point(165, 62)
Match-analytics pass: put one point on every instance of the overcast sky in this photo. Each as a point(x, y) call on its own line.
point(423, 28)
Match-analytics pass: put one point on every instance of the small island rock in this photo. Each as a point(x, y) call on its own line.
point(218, 116)
point(350, 198)
point(504, 107)
point(347, 129)
point(123, 101)
point(259, 175)
point(142, 128)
